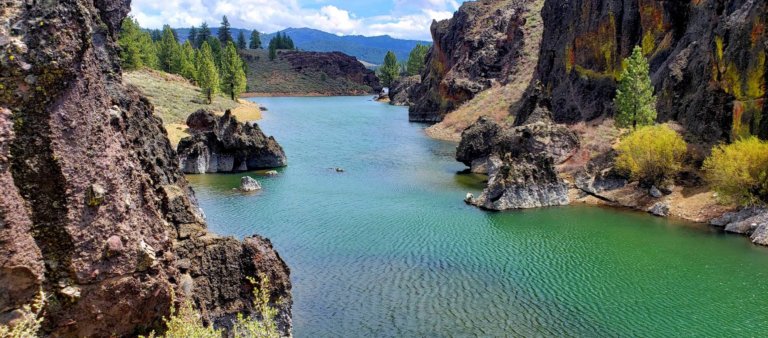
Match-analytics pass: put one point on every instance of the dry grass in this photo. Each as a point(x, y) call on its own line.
point(175, 99)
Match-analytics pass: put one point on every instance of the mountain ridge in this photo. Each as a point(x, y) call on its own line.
point(370, 49)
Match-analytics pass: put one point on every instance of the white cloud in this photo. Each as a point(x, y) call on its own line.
point(409, 19)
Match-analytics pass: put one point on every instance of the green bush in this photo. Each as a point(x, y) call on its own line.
point(739, 171)
point(652, 155)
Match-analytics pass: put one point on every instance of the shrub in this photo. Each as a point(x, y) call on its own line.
point(652, 154)
point(739, 171)
point(188, 324)
point(28, 325)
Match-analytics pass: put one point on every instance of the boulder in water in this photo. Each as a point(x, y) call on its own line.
point(248, 184)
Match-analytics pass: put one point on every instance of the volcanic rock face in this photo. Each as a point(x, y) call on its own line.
point(707, 60)
point(400, 93)
point(335, 65)
point(481, 45)
point(222, 144)
point(93, 208)
point(520, 162)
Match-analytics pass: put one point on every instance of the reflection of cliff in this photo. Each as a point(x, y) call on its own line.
point(94, 209)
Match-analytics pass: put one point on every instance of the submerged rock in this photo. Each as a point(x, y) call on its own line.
point(222, 144)
point(248, 184)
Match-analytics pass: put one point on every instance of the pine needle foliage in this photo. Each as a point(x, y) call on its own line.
point(635, 102)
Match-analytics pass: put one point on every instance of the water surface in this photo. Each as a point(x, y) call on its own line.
point(388, 248)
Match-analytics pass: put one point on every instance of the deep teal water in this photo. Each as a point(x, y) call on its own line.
point(388, 248)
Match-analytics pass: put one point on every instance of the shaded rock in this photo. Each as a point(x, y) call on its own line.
point(222, 144)
point(655, 192)
point(401, 91)
point(737, 216)
point(248, 184)
point(660, 209)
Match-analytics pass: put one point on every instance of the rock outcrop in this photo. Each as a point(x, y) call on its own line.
point(519, 161)
point(334, 65)
point(481, 45)
point(222, 144)
point(93, 208)
point(752, 222)
point(401, 91)
point(707, 61)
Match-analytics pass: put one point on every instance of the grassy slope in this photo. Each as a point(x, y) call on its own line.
point(497, 102)
point(277, 77)
point(175, 99)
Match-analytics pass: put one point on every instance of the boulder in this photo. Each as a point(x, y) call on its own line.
point(222, 144)
point(248, 184)
point(660, 209)
point(401, 90)
point(655, 192)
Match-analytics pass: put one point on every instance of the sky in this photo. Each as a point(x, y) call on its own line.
point(404, 19)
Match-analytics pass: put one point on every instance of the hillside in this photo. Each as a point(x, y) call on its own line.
point(369, 49)
point(175, 98)
point(307, 74)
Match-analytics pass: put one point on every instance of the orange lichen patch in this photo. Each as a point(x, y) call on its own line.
point(758, 30)
point(653, 24)
point(597, 49)
point(696, 2)
point(570, 59)
point(738, 113)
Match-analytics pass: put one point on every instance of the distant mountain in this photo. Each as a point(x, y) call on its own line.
point(368, 49)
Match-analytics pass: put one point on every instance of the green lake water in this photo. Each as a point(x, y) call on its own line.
point(388, 248)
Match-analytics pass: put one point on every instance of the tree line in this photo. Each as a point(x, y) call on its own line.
point(213, 63)
point(391, 69)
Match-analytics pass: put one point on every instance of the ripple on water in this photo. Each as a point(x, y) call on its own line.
point(388, 248)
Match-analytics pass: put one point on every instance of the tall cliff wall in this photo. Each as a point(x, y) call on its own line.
point(707, 60)
point(93, 208)
point(481, 45)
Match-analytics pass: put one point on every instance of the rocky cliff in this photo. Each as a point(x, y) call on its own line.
point(707, 60)
point(93, 208)
point(482, 45)
point(222, 144)
point(308, 73)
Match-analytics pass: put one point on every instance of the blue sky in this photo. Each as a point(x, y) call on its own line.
point(407, 19)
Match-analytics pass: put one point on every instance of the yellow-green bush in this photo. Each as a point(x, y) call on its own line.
point(739, 171)
point(28, 325)
point(652, 154)
point(186, 323)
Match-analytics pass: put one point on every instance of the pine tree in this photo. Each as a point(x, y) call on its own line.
point(416, 60)
point(168, 51)
point(216, 50)
point(156, 34)
point(203, 35)
point(255, 40)
point(241, 44)
point(273, 49)
point(232, 74)
point(136, 47)
point(207, 74)
point(224, 31)
point(187, 64)
point(192, 37)
point(635, 102)
point(390, 70)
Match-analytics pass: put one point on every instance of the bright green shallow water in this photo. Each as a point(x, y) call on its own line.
point(389, 249)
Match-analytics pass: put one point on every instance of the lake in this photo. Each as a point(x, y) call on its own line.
point(389, 249)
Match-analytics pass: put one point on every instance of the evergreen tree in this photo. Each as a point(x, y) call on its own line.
point(416, 60)
point(168, 51)
point(255, 40)
point(203, 35)
point(215, 45)
point(390, 70)
point(192, 37)
point(241, 44)
point(273, 49)
point(207, 74)
point(232, 74)
point(136, 47)
point(635, 102)
point(157, 35)
point(224, 31)
point(187, 61)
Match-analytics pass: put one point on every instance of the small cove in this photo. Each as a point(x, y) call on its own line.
point(389, 249)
